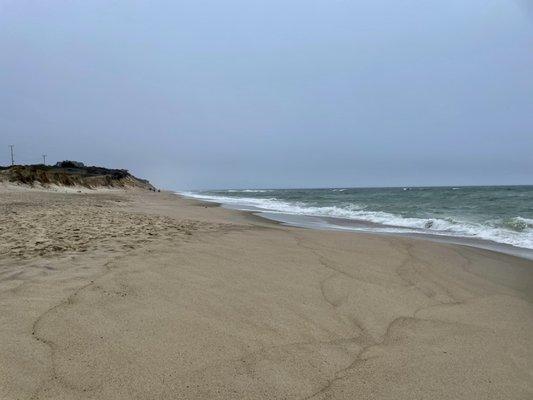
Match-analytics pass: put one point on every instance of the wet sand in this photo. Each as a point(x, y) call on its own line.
point(141, 295)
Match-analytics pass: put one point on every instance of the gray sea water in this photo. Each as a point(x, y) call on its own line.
point(498, 214)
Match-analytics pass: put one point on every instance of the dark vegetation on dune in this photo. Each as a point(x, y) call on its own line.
point(71, 173)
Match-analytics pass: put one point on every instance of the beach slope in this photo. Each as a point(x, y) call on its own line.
point(142, 295)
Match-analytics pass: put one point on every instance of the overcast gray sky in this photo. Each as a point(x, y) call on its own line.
point(273, 93)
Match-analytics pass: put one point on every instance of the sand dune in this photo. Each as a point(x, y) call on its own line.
point(136, 295)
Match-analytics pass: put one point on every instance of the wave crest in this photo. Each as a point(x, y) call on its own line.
point(518, 224)
point(516, 231)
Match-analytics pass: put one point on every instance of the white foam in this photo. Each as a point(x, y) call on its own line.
point(395, 223)
point(248, 190)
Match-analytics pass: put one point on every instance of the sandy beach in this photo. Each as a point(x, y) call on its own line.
point(139, 295)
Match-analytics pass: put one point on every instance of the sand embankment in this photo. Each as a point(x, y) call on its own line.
point(141, 295)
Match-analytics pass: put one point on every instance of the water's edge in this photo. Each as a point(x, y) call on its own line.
point(339, 224)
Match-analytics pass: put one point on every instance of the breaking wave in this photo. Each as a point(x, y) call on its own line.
point(516, 231)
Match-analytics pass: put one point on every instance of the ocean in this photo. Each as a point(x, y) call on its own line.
point(493, 214)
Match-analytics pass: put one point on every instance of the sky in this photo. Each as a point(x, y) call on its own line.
point(210, 94)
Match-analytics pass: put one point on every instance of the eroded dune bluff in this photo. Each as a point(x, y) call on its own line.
point(71, 173)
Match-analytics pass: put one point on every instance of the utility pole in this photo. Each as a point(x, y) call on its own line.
point(12, 159)
point(44, 159)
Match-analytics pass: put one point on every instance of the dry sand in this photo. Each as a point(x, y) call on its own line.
point(136, 295)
